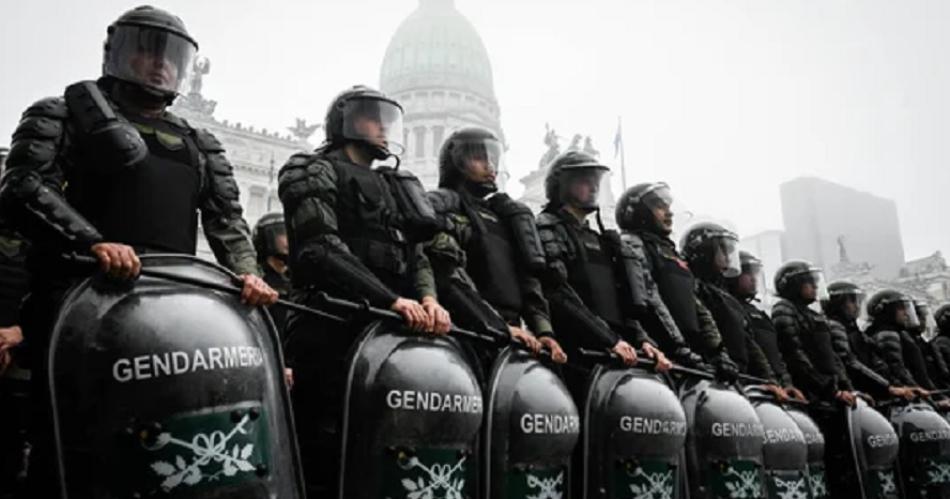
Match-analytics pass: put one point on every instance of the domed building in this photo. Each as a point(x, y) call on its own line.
point(437, 67)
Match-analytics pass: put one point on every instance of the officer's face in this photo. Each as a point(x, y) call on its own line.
point(664, 217)
point(809, 292)
point(900, 315)
point(155, 69)
point(851, 308)
point(371, 129)
point(748, 284)
point(584, 189)
point(479, 169)
point(281, 244)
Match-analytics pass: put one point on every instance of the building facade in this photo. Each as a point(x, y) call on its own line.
point(437, 67)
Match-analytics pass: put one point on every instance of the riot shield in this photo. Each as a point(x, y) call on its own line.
point(815, 440)
point(724, 445)
point(531, 428)
point(412, 412)
point(924, 450)
point(785, 450)
point(171, 390)
point(874, 447)
point(634, 432)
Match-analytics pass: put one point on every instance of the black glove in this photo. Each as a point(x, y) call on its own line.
point(688, 358)
point(726, 370)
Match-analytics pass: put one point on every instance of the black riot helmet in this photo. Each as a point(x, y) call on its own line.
point(891, 307)
point(635, 207)
point(844, 300)
point(265, 234)
point(711, 250)
point(462, 147)
point(568, 169)
point(942, 318)
point(750, 265)
point(366, 116)
point(151, 49)
point(792, 275)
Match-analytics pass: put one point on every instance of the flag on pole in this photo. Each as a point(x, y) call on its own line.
point(618, 139)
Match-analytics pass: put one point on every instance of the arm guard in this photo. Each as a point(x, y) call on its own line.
point(221, 212)
point(861, 375)
point(417, 214)
point(573, 320)
point(31, 191)
point(803, 372)
point(888, 344)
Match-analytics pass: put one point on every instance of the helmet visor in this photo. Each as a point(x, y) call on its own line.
point(376, 121)
point(906, 313)
point(658, 196)
point(581, 187)
point(726, 256)
point(151, 57)
point(485, 153)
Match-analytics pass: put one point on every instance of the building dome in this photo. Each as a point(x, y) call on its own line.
point(436, 47)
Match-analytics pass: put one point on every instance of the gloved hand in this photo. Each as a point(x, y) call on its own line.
point(726, 370)
point(687, 358)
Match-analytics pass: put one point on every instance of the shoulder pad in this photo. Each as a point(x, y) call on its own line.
point(445, 201)
point(548, 220)
point(178, 121)
point(207, 142)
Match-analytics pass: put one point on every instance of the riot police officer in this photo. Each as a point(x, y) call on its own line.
point(891, 313)
point(921, 354)
point(592, 304)
point(842, 307)
point(713, 255)
point(273, 252)
point(744, 287)
point(108, 170)
point(14, 377)
point(941, 341)
point(350, 239)
point(805, 335)
point(644, 214)
point(806, 343)
point(489, 247)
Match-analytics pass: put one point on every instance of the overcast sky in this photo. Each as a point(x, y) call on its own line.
point(723, 99)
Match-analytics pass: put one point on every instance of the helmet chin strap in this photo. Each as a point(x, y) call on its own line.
point(480, 189)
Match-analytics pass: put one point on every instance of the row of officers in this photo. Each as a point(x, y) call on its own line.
point(106, 170)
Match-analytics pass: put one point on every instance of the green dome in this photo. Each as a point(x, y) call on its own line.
point(436, 47)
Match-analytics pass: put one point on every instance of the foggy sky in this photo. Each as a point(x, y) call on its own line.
point(724, 100)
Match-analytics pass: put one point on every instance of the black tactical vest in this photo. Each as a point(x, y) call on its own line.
point(764, 333)
point(591, 274)
point(152, 205)
point(368, 223)
point(731, 321)
point(676, 284)
point(493, 264)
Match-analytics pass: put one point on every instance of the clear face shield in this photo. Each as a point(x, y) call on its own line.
point(905, 314)
point(659, 200)
point(726, 256)
point(150, 57)
point(581, 187)
point(850, 303)
point(478, 159)
point(814, 279)
point(928, 325)
point(374, 121)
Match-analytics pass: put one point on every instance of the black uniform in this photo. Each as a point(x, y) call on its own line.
point(483, 278)
point(678, 288)
point(346, 240)
point(69, 186)
point(806, 343)
point(923, 361)
point(735, 328)
point(765, 335)
point(863, 377)
point(280, 283)
point(591, 307)
point(887, 345)
point(941, 345)
point(14, 383)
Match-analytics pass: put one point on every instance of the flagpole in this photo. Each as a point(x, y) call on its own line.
point(623, 163)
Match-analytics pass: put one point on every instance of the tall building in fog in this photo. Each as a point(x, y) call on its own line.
point(437, 67)
point(828, 223)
